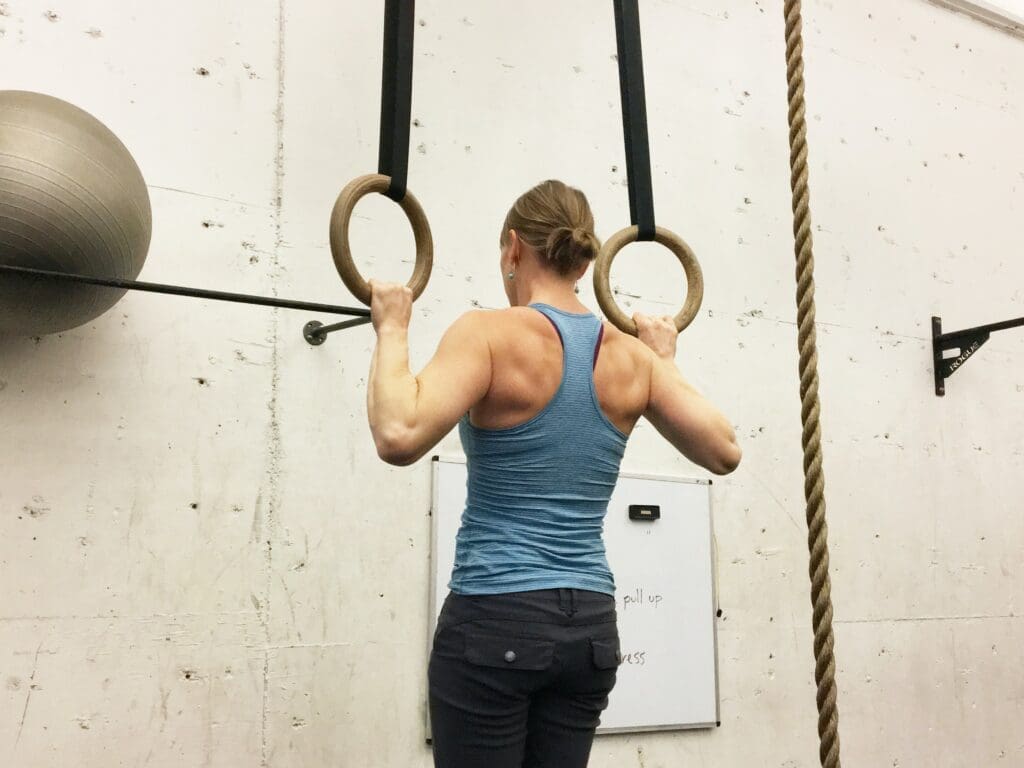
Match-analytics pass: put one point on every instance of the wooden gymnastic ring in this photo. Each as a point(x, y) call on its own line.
point(672, 241)
point(342, 252)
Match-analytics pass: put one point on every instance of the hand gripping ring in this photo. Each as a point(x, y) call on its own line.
point(672, 241)
point(342, 252)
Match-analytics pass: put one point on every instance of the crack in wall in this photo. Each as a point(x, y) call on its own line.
point(274, 450)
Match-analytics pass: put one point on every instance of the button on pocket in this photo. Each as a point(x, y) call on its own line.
point(508, 652)
point(606, 652)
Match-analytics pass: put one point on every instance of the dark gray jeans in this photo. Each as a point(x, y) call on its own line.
point(519, 680)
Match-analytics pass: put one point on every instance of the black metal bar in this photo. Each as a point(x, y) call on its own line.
point(396, 94)
point(940, 380)
point(316, 332)
point(966, 342)
point(634, 117)
point(969, 333)
point(178, 290)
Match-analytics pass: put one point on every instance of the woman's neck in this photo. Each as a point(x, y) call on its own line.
point(558, 295)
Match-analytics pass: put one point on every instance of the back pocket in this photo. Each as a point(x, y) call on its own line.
point(489, 650)
point(606, 652)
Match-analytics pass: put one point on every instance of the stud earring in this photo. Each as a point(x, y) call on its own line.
point(511, 275)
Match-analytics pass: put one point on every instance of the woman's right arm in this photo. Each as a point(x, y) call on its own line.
point(679, 412)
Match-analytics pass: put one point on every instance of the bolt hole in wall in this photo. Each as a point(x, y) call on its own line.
point(204, 564)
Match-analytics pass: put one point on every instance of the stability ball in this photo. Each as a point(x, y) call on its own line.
point(72, 200)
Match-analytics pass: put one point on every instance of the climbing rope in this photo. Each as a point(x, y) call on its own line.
point(810, 407)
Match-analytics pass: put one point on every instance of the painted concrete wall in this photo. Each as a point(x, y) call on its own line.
point(202, 562)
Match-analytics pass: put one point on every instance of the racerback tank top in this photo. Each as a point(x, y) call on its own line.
point(537, 493)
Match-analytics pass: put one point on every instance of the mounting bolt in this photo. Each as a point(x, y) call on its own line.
point(311, 332)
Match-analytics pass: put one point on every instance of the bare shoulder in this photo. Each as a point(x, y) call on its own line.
point(520, 314)
point(475, 320)
point(468, 330)
point(492, 324)
point(628, 347)
point(512, 321)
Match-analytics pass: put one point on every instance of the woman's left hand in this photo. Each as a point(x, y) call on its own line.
point(390, 305)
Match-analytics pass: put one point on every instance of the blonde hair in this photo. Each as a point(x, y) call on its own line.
point(556, 221)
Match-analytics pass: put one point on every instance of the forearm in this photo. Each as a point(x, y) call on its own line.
point(392, 389)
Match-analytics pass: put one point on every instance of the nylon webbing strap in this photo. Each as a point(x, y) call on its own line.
point(396, 94)
point(634, 117)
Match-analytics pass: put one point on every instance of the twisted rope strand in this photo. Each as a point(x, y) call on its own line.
point(810, 407)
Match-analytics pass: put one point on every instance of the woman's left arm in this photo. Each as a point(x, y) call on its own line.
point(410, 414)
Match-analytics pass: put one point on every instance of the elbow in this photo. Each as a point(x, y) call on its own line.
point(397, 456)
point(727, 459)
point(395, 447)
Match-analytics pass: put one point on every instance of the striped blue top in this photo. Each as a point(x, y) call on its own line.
point(537, 493)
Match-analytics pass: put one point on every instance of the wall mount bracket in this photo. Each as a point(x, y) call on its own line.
point(313, 332)
point(966, 342)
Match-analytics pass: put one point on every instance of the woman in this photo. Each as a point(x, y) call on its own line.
point(545, 396)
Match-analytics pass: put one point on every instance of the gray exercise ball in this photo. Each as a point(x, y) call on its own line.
point(73, 200)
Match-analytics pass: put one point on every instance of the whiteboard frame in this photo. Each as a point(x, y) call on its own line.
point(990, 13)
point(433, 609)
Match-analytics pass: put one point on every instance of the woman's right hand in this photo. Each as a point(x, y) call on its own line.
point(658, 333)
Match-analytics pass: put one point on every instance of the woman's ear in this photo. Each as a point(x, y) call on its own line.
point(514, 254)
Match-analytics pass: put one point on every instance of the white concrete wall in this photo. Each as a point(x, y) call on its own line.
point(202, 562)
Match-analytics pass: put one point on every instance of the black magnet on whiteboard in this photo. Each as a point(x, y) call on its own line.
point(644, 512)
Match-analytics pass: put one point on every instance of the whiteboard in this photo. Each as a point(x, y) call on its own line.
point(665, 596)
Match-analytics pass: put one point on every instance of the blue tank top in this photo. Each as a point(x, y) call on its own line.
point(537, 493)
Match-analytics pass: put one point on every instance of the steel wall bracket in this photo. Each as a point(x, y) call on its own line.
point(966, 342)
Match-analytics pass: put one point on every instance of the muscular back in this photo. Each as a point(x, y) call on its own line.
point(526, 370)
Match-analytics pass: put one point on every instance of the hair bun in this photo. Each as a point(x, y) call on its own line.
point(555, 221)
point(569, 247)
